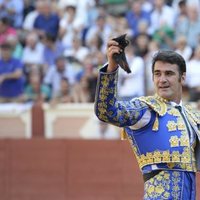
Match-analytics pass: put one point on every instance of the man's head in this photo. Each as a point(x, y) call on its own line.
point(169, 71)
point(6, 51)
point(60, 63)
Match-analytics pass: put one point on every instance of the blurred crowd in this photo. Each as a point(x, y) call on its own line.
point(50, 51)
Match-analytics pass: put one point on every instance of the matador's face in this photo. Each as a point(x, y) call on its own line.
point(167, 81)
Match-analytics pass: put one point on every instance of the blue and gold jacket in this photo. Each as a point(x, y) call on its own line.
point(164, 141)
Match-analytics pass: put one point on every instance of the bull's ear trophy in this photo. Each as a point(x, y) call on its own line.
point(121, 57)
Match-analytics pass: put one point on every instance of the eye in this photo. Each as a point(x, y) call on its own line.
point(169, 73)
point(156, 73)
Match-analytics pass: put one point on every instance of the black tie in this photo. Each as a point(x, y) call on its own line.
point(184, 118)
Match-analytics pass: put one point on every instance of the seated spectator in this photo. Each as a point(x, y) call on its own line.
point(81, 92)
point(193, 74)
point(33, 52)
point(183, 48)
point(77, 51)
point(64, 95)
point(164, 35)
point(14, 10)
point(17, 47)
point(135, 16)
point(5, 29)
point(28, 23)
point(69, 25)
point(141, 43)
point(52, 49)
point(56, 73)
point(46, 21)
point(162, 16)
point(35, 90)
point(126, 81)
point(11, 76)
point(101, 29)
point(29, 6)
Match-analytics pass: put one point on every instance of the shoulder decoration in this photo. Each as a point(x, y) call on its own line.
point(193, 113)
point(157, 103)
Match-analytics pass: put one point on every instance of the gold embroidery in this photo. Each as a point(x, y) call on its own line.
point(174, 141)
point(149, 157)
point(165, 185)
point(175, 156)
point(157, 156)
point(174, 112)
point(166, 156)
point(180, 124)
point(157, 103)
point(184, 141)
point(171, 125)
point(156, 123)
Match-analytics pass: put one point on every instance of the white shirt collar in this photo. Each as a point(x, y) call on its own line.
point(175, 104)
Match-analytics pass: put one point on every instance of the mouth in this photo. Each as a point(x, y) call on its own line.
point(163, 87)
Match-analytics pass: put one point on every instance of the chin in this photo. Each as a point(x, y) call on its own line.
point(164, 96)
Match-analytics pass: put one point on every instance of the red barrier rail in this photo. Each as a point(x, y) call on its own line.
point(69, 170)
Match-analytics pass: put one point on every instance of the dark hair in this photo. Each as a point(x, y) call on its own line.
point(171, 57)
point(182, 3)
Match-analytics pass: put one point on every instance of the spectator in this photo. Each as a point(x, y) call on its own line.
point(77, 51)
point(162, 15)
point(11, 76)
point(64, 95)
point(135, 16)
point(29, 6)
point(101, 29)
point(183, 48)
point(29, 20)
point(164, 35)
point(36, 91)
point(17, 47)
point(56, 73)
point(153, 48)
point(125, 86)
point(14, 10)
point(52, 49)
point(193, 26)
point(81, 91)
point(46, 21)
point(5, 29)
point(70, 25)
point(33, 52)
point(193, 74)
point(141, 43)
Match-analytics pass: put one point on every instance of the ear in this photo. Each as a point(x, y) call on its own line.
point(183, 78)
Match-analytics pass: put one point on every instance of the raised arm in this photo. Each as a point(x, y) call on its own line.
point(107, 106)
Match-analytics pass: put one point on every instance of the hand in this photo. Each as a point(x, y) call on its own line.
point(112, 48)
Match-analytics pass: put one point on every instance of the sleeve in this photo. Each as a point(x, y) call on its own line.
point(109, 109)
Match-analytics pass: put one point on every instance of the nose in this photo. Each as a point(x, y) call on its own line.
point(162, 78)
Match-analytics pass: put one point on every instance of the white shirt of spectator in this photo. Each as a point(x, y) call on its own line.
point(53, 78)
point(193, 73)
point(134, 82)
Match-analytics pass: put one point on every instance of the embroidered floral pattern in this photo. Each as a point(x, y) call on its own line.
point(109, 109)
point(165, 185)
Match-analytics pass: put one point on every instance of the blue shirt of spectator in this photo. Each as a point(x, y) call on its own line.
point(11, 87)
point(48, 24)
point(134, 19)
point(52, 49)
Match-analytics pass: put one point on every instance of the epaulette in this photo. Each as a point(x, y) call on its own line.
point(194, 113)
point(158, 104)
